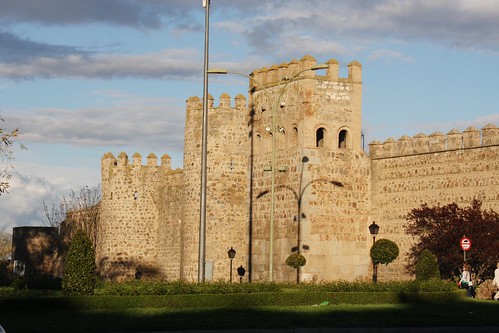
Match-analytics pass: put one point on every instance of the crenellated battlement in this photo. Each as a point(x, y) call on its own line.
point(225, 102)
point(435, 142)
point(276, 74)
point(108, 160)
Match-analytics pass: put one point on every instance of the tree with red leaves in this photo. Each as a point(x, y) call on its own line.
point(440, 229)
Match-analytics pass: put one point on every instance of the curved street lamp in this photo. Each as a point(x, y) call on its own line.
point(300, 215)
point(299, 199)
point(275, 105)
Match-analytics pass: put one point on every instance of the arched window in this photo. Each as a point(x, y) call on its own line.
point(257, 145)
point(294, 137)
point(342, 139)
point(319, 137)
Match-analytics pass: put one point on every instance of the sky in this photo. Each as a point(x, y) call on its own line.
point(83, 78)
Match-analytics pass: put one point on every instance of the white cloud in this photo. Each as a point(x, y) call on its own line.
point(172, 64)
point(23, 205)
point(445, 22)
point(388, 55)
point(125, 122)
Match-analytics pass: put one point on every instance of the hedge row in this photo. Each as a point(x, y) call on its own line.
point(182, 288)
point(135, 288)
point(432, 285)
point(58, 303)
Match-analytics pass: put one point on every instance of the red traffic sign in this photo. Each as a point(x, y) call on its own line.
point(465, 244)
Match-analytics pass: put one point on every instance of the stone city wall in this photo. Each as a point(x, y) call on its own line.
point(464, 168)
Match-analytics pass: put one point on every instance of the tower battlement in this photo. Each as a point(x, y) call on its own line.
point(276, 74)
point(225, 101)
point(122, 160)
point(435, 142)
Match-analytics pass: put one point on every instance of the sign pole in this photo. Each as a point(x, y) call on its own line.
point(465, 244)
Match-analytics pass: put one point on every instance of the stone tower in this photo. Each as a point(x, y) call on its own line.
point(227, 186)
point(317, 149)
point(139, 229)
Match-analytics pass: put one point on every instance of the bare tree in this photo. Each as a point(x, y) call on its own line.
point(7, 141)
point(77, 211)
point(85, 198)
point(55, 214)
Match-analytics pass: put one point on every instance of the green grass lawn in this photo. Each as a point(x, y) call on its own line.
point(465, 312)
point(168, 306)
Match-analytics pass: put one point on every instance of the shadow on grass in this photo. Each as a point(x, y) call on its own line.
point(63, 316)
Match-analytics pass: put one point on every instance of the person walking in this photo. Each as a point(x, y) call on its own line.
point(495, 282)
point(466, 282)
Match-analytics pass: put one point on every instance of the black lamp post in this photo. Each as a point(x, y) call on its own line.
point(374, 229)
point(231, 253)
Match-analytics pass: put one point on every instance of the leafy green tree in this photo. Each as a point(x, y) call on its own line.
point(296, 260)
point(80, 269)
point(384, 251)
point(427, 266)
point(440, 229)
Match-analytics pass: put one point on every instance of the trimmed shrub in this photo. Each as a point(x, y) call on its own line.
point(79, 273)
point(427, 266)
point(384, 251)
point(296, 260)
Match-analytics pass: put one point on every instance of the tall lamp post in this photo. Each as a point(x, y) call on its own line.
point(204, 151)
point(374, 229)
point(231, 253)
point(275, 103)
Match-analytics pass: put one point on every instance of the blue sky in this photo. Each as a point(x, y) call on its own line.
point(82, 78)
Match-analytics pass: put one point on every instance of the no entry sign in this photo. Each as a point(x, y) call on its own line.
point(465, 244)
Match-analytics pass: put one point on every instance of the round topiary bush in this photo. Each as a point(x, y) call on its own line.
point(296, 260)
point(384, 251)
point(79, 271)
point(427, 266)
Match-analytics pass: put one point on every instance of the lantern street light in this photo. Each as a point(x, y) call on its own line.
point(275, 104)
point(240, 272)
point(374, 229)
point(231, 253)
